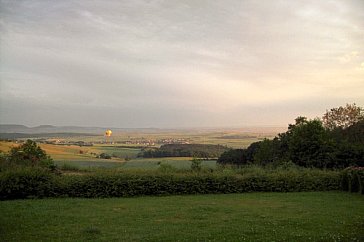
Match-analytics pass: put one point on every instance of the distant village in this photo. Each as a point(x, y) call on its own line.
point(138, 142)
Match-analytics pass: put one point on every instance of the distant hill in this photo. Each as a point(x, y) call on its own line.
point(45, 129)
point(14, 128)
point(42, 129)
point(11, 128)
point(13, 136)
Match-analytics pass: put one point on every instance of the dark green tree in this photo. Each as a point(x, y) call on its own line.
point(267, 152)
point(234, 157)
point(310, 145)
point(29, 154)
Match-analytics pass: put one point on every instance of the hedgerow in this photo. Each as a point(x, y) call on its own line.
point(28, 183)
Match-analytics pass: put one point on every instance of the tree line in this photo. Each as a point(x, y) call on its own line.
point(335, 141)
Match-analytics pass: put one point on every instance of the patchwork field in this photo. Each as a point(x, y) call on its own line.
point(141, 163)
point(306, 216)
point(124, 156)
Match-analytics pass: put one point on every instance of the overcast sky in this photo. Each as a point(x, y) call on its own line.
point(145, 63)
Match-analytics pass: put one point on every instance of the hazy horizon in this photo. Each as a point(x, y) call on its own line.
point(178, 64)
point(151, 127)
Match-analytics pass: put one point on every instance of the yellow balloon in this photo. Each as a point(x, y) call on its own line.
point(108, 132)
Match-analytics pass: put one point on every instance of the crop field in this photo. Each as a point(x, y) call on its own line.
point(6, 146)
point(231, 138)
point(140, 163)
point(122, 157)
point(306, 216)
point(154, 163)
point(126, 156)
point(89, 163)
point(74, 152)
point(118, 151)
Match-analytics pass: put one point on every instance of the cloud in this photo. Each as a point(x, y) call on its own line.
point(166, 63)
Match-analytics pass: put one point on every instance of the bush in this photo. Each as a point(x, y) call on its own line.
point(104, 156)
point(353, 179)
point(196, 165)
point(25, 183)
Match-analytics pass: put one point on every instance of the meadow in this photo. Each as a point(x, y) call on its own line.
point(305, 216)
point(138, 163)
point(75, 157)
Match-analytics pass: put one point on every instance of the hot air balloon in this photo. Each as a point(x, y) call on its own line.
point(108, 133)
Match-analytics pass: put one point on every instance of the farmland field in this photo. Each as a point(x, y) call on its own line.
point(140, 163)
point(306, 216)
point(83, 157)
point(176, 162)
point(125, 156)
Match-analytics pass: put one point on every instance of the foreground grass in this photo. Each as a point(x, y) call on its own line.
point(314, 216)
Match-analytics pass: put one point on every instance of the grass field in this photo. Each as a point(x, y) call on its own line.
point(71, 155)
point(141, 163)
point(154, 163)
point(315, 216)
point(120, 152)
point(89, 163)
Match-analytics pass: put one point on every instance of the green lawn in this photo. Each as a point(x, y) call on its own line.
point(309, 216)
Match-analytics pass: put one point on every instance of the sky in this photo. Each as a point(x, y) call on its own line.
point(176, 63)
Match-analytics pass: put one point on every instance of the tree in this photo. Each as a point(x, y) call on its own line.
point(266, 152)
point(310, 145)
point(29, 154)
point(355, 133)
point(233, 157)
point(342, 117)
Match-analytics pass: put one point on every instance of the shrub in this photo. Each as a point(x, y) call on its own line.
point(26, 183)
point(104, 156)
point(353, 179)
point(196, 164)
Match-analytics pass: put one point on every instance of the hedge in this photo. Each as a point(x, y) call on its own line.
point(28, 183)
